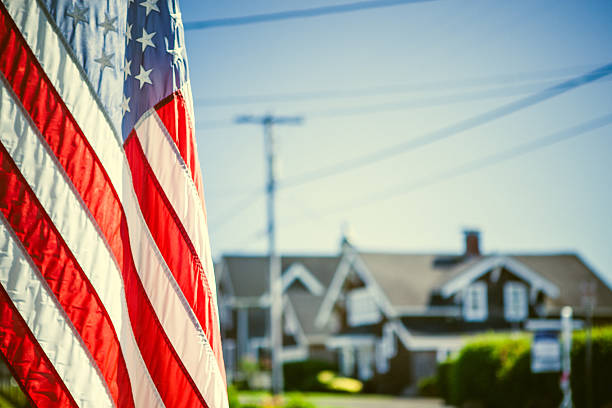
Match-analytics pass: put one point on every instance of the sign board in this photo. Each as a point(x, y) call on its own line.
point(545, 352)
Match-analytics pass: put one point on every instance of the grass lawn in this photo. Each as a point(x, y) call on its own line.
point(319, 399)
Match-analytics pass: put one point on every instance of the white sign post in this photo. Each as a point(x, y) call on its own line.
point(566, 333)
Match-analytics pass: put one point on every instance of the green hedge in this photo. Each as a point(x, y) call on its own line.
point(601, 377)
point(444, 378)
point(494, 371)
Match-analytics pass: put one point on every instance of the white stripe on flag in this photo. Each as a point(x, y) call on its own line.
point(173, 176)
point(173, 311)
point(56, 195)
point(62, 345)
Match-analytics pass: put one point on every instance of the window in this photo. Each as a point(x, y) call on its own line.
point(515, 302)
point(475, 308)
point(362, 308)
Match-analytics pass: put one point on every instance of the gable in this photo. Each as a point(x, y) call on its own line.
point(492, 265)
point(351, 267)
point(296, 274)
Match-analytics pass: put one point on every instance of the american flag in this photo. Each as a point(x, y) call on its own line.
point(107, 289)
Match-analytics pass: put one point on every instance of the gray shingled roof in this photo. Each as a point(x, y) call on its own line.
point(567, 271)
point(249, 274)
point(408, 279)
point(306, 307)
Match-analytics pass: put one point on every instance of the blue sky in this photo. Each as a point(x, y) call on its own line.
point(396, 74)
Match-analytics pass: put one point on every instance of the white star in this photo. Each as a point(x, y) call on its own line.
point(128, 33)
point(144, 76)
point(78, 14)
point(146, 39)
point(105, 60)
point(125, 105)
point(127, 69)
point(108, 24)
point(150, 5)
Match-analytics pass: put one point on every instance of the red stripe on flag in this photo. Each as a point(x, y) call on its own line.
point(56, 124)
point(64, 276)
point(174, 243)
point(172, 110)
point(29, 364)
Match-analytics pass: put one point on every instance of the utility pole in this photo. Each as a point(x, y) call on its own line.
point(275, 290)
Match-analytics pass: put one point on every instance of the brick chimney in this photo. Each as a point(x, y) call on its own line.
point(472, 242)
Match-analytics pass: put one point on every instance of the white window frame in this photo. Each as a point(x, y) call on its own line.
point(516, 303)
point(362, 308)
point(475, 304)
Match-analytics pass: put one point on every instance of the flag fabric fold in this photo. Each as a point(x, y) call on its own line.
point(107, 288)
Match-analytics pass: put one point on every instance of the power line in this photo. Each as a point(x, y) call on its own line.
point(245, 204)
point(471, 166)
point(293, 14)
point(417, 103)
point(448, 131)
point(399, 88)
point(490, 160)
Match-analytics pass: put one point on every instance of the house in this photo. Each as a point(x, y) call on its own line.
point(387, 318)
point(244, 307)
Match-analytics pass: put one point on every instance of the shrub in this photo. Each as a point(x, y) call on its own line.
point(473, 377)
point(302, 375)
point(495, 371)
point(519, 387)
point(428, 387)
point(601, 368)
point(232, 396)
point(443, 379)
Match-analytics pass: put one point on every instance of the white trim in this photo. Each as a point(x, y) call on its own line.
point(298, 271)
point(334, 289)
point(352, 259)
point(236, 302)
point(294, 353)
point(377, 292)
point(289, 313)
point(350, 340)
point(487, 264)
point(402, 333)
